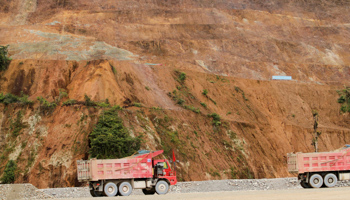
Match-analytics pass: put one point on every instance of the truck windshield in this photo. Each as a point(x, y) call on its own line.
point(165, 165)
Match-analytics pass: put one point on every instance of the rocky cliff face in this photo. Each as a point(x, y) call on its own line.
point(132, 52)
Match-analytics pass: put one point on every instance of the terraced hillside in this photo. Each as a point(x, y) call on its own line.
point(133, 53)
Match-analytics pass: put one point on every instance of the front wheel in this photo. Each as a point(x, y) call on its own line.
point(162, 187)
point(316, 181)
point(330, 180)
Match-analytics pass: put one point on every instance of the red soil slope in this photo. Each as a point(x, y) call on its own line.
point(128, 51)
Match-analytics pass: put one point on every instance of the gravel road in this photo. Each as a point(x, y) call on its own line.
point(28, 191)
point(299, 194)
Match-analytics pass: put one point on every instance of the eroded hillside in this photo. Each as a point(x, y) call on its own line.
point(132, 53)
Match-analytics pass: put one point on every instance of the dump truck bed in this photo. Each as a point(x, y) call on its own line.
point(338, 160)
point(139, 166)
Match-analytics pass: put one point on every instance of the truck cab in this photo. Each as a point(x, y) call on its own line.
point(162, 170)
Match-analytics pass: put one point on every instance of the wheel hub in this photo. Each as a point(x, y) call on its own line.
point(110, 189)
point(125, 189)
point(162, 187)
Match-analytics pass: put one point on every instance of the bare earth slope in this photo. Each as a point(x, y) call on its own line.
point(128, 51)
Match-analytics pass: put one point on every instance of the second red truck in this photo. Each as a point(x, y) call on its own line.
point(321, 169)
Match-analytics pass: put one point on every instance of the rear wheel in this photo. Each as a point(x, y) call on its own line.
point(304, 184)
point(330, 180)
point(316, 181)
point(125, 189)
point(111, 189)
point(162, 187)
point(149, 191)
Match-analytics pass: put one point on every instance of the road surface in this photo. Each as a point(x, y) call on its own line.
point(297, 194)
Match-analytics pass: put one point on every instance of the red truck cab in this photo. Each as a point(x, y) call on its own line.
point(168, 174)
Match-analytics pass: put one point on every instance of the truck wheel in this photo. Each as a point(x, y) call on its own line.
point(162, 187)
point(316, 181)
point(125, 189)
point(111, 189)
point(149, 191)
point(330, 180)
point(304, 184)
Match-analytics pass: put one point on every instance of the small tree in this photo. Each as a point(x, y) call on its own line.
point(316, 133)
point(4, 60)
point(9, 173)
point(344, 99)
point(110, 139)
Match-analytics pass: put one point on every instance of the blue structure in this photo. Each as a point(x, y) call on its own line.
point(282, 78)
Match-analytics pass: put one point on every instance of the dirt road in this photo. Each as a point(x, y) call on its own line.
point(299, 194)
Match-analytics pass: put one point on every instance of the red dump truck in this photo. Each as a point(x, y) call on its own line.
point(112, 177)
point(320, 169)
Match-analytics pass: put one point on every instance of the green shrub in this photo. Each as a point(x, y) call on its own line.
point(216, 119)
point(205, 92)
point(182, 76)
point(341, 99)
point(238, 89)
point(17, 125)
point(103, 104)
point(180, 101)
point(212, 100)
point(8, 98)
point(69, 102)
point(192, 108)
point(204, 105)
point(137, 104)
point(344, 99)
point(110, 139)
point(46, 107)
point(9, 173)
point(62, 94)
point(344, 108)
point(24, 100)
point(4, 60)
point(88, 101)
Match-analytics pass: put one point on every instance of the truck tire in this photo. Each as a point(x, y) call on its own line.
point(110, 189)
point(304, 184)
point(330, 180)
point(316, 181)
point(162, 187)
point(125, 188)
point(149, 191)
